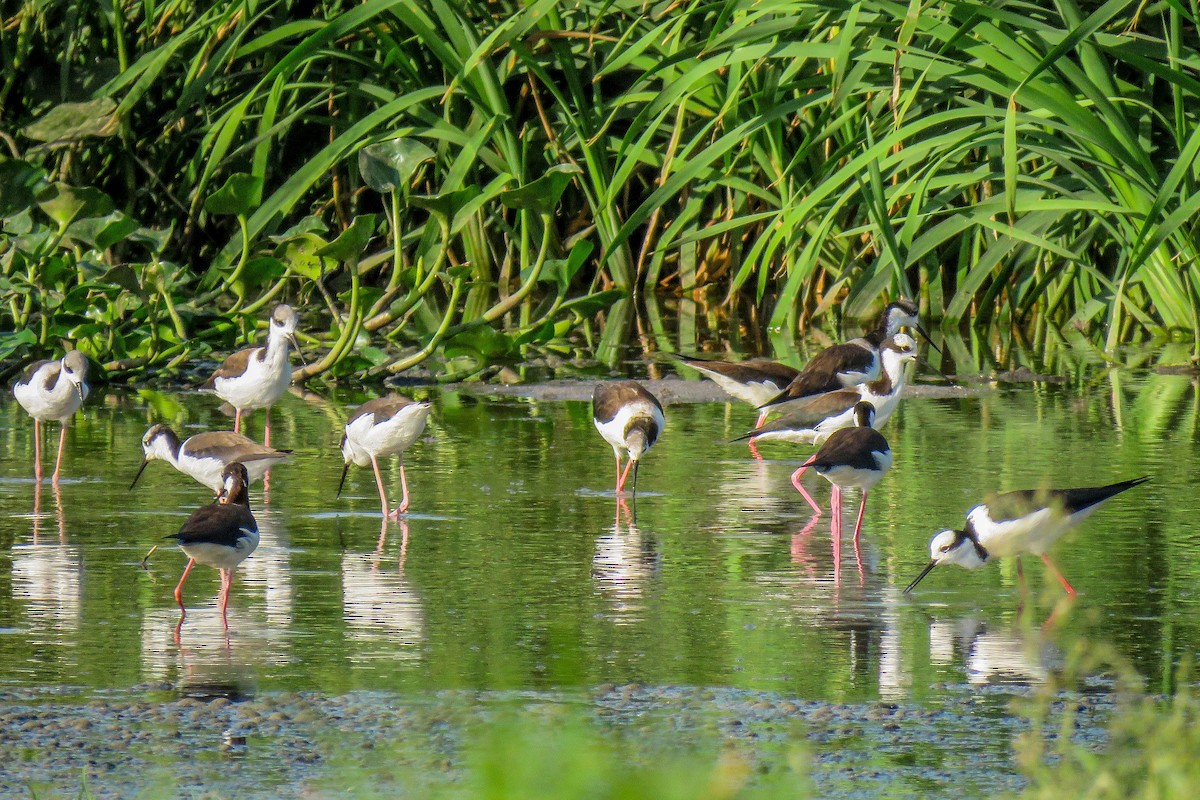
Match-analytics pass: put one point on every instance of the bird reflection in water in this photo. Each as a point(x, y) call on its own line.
point(803, 558)
point(995, 654)
point(381, 608)
point(47, 574)
point(625, 563)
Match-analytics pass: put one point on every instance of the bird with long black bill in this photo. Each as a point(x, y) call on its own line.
point(385, 426)
point(204, 456)
point(52, 390)
point(812, 420)
point(1013, 523)
point(853, 362)
point(220, 535)
point(257, 377)
point(630, 419)
point(851, 458)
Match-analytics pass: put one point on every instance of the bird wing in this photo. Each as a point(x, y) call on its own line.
point(233, 366)
point(217, 523)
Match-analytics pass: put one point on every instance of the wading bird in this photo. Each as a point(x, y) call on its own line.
point(630, 419)
point(1013, 523)
point(385, 426)
point(52, 390)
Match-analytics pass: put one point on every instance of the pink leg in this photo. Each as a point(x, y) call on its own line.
point(836, 531)
point(237, 420)
point(858, 525)
point(620, 483)
point(37, 450)
point(267, 429)
point(62, 443)
point(624, 476)
point(179, 588)
point(800, 488)
point(403, 485)
point(379, 483)
point(226, 585)
point(1054, 571)
point(762, 417)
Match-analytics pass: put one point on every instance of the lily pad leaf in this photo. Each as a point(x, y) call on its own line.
point(239, 196)
point(301, 253)
point(68, 122)
point(388, 166)
point(447, 204)
point(543, 194)
point(64, 203)
point(562, 270)
point(102, 232)
point(350, 245)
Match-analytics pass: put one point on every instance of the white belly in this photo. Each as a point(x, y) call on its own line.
point(219, 556)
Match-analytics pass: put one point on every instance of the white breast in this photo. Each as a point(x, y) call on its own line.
point(392, 436)
point(59, 403)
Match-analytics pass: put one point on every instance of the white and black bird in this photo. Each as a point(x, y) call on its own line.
point(853, 362)
point(812, 420)
point(220, 535)
point(1012, 523)
point(205, 456)
point(754, 381)
point(385, 426)
point(631, 420)
point(257, 377)
point(851, 458)
point(52, 390)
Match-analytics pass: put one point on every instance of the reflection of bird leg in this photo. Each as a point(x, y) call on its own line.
point(623, 506)
point(403, 546)
point(37, 509)
point(58, 514)
point(383, 528)
point(800, 545)
point(1022, 589)
point(836, 531)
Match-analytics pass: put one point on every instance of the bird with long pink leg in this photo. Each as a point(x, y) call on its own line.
point(1012, 523)
point(855, 457)
point(630, 419)
point(385, 426)
point(219, 535)
point(257, 377)
point(52, 390)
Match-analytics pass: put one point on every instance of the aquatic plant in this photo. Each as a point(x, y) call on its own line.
point(1024, 163)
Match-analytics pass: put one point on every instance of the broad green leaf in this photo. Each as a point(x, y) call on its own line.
point(350, 245)
point(388, 166)
point(240, 195)
point(542, 195)
point(64, 203)
point(67, 122)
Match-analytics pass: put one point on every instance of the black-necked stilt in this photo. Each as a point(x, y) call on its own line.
point(853, 362)
point(1013, 523)
point(630, 419)
point(256, 377)
point(855, 457)
point(812, 420)
point(755, 381)
point(205, 456)
point(385, 426)
point(220, 535)
point(52, 390)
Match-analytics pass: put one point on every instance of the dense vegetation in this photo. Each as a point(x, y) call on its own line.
point(474, 179)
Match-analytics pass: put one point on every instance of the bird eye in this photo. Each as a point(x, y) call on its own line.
point(944, 548)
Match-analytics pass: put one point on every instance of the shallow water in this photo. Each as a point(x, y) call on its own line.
point(516, 571)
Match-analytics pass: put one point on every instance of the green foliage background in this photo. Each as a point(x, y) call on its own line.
point(176, 166)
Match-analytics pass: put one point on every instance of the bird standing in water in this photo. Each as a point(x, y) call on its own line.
point(220, 535)
point(52, 390)
point(630, 419)
point(385, 426)
point(257, 377)
point(1013, 523)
